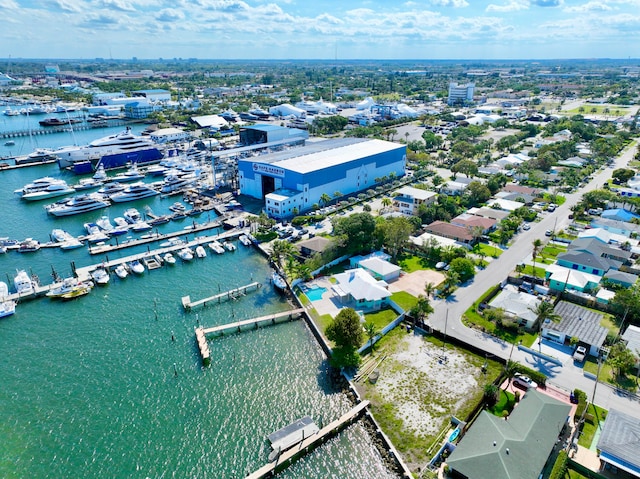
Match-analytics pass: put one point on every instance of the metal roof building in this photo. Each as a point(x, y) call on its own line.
point(293, 180)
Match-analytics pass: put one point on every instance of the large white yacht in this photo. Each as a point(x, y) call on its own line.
point(133, 192)
point(113, 151)
point(77, 204)
point(40, 184)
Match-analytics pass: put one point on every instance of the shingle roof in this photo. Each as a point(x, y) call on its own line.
point(586, 259)
point(449, 231)
point(621, 277)
point(517, 448)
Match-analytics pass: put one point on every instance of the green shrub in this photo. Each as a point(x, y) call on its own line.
point(537, 376)
point(560, 467)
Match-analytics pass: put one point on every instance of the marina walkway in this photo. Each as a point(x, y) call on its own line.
point(291, 455)
point(238, 325)
point(217, 298)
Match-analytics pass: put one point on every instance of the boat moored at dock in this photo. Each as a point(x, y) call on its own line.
point(78, 204)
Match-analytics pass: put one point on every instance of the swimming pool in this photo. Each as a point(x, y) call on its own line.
point(315, 293)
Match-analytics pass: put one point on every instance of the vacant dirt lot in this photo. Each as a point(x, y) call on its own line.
point(413, 283)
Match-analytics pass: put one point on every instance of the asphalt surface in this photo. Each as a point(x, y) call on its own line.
point(568, 376)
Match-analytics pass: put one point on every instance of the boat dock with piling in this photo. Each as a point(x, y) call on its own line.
point(217, 298)
point(288, 457)
point(269, 318)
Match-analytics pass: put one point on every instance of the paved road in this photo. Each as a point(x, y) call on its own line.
point(567, 376)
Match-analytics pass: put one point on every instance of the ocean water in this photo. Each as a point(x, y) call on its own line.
point(111, 384)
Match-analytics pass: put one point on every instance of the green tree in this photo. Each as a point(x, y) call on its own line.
point(345, 330)
point(372, 331)
point(537, 247)
point(281, 251)
point(621, 359)
point(429, 289)
point(623, 174)
point(463, 267)
point(544, 311)
point(358, 231)
point(396, 232)
point(325, 199)
point(422, 309)
point(476, 193)
point(466, 167)
point(491, 392)
point(431, 140)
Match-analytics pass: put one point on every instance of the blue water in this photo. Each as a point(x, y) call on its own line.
point(89, 387)
point(315, 293)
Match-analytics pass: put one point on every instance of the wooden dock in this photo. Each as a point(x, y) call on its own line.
point(217, 298)
point(289, 456)
point(203, 346)
point(238, 325)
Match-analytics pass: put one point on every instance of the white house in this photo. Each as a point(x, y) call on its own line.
point(359, 286)
point(407, 199)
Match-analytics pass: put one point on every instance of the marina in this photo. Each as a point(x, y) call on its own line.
point(153, 408)
point(234, 293)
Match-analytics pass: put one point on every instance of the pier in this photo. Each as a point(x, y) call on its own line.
point(203, 346)
point(217, 298)
point(269, 318)
point(289, 456)
point(60, 129)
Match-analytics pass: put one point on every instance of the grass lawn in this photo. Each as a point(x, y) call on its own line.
point(338, 268)
point(553, 250)
point(528, 269)
point(609, 323)
point(589, 428)
point(559, 199)
point(410, 264)
point(628, 383)
point(405, 300)
point(506, 401)
point(488, 250)
point(381, 318)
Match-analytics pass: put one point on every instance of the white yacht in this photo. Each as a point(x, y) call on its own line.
point(77, 204)
point(87, 184)
point(229, 246)
point(169, 258)
point(185, 254)
point(201, 252)
point(51, 191)
point(40, 184)
point(121, 271)
point(132, 215)
point(136, 266)
point(23, 283)
point(133, 192)
point(100, 276)
point(111, 188)
point(216, 247)
point(7, 308)
point(132, 174)
point(113, 151)
point(175, 183)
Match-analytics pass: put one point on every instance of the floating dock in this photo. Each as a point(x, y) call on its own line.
point(290, 456)
point(217, 298)
point(293, 434)
point(203, 346)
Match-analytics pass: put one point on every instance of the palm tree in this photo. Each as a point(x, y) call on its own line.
point(429, 289)
point(537, 247)
point(544, 311)
point(386, 202)
point(371, 330)
point(491, 394)
point(280, 250)
point(325, 199)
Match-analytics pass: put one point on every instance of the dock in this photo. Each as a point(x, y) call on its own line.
point(290, 456)
point(203, 346)
point(217, 298)
point(238, 325)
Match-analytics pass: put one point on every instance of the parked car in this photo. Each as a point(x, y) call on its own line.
point(524, 382)
point(548, 233)
point(580, 354)
point(526, 226)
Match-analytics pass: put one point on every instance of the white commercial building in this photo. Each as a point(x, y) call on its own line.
point(292, 181)
point(460, 94)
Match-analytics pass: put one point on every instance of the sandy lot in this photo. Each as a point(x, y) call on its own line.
point(425, 389)
point(413, 283)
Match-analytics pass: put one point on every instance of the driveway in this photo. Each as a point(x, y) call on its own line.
point(413, 283)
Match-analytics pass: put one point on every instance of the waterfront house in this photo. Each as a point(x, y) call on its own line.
point(358, 286)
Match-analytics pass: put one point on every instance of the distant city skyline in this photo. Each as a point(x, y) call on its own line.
point(328, 29)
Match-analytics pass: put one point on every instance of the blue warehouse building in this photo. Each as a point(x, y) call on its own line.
point(294, 180)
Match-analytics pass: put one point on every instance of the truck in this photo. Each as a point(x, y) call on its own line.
point(580, 354)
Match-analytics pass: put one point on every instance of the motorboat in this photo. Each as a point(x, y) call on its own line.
point(65, 239)
point(71, 243)
point(216, 247)
point(132, 215)
point(244, 239)
point(104, 223)
point(136, 266)
point(9, 143)
point(201, 252)
point(134, 192)
point(60, 235)
point(112, 188)
point(68, 287)
point(54, 121)
point(95, 234)
point(114, 151)
point(100, 276)
point(87, 184)
point(121, 223)
point(178, 207)
point(156, 170)
point(82, 290)
point(175, 183)
point(185, 254)
point(140, 226)
point(29, 245)
point(7, 308)
point(77, 204)
point(40, 184)
point(100, 174)
point(23, 283)
point(132, 174)
point(51, 191)
point(4, 290)
point(172, 242)
point(169, 258)
point(278, 282)
point(229, 246)
point(121, 271)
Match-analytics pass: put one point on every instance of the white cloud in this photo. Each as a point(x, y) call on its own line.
point(547, 3)
point(117, 5)
point(450, 3)
point(512, 6)
point(592, 6)
point(169, 15)
point(8, 5)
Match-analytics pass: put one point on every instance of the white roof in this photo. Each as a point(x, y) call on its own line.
point(361, 285)
point(571, 276)
point(506, 205)
point(516, 303)
point(379, 266)
point(416, 193)
point(207, 121)
point(168, 132)
point(343, 152)
point(425, 237)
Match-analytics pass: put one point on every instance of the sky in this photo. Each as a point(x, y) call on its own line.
point(320, 29)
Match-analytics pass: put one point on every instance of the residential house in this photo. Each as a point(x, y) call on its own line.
point(380, 269)
point(506, 205)
point(314, 245)
point(448, 230)
point(427, 238)
point(619, 214)
point(632, 337)
point(517, 304)
point(577, 323)
point(455, 187)
point(520, 447)
point(573, 162)
point(358, 286)
point(586, 263)
point(493, 213)
point(407, 199)
point(522, 198)
point(618, 443)
point(617, 227)
point(561, 279)
point(469, 221)
point(621, 278)
point(525, 190)
point(597, 248)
